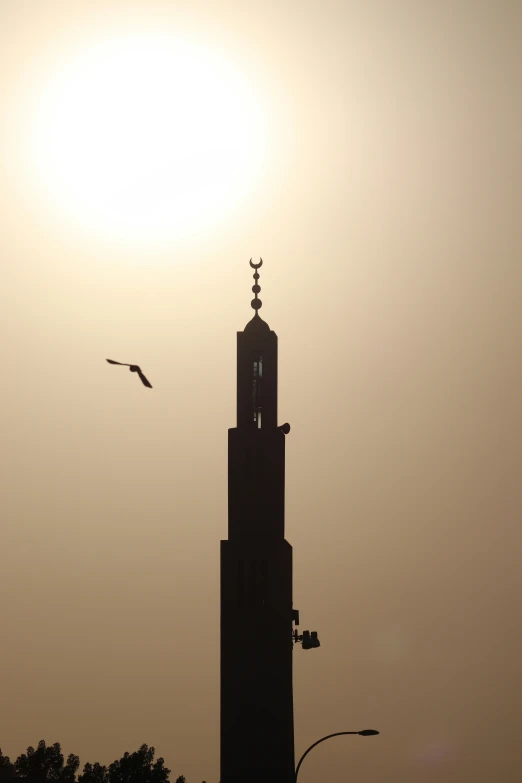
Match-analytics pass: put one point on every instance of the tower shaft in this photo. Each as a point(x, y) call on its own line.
point(257, 733)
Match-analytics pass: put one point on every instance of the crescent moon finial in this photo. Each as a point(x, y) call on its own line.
point(256, 303)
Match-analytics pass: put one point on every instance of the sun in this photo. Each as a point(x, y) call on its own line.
point(146, 136)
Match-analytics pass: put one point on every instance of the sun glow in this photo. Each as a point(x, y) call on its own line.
point(146, 136)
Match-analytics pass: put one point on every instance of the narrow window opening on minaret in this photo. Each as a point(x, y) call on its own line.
point(257, 375)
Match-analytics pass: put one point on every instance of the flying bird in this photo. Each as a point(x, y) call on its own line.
point(133, 368)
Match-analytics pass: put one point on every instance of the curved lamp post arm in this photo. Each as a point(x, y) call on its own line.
point(305, 754)
point(364, 733)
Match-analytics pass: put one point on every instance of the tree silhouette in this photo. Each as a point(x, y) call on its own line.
point(94, 773)
point(7, 770)
point(46, 764)
point(135, 767)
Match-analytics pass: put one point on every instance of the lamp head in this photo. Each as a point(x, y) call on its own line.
point(310, 640)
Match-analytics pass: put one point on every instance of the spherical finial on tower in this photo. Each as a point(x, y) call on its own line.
point(256, 303)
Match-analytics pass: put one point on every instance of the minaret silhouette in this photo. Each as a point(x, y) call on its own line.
point(257, 723)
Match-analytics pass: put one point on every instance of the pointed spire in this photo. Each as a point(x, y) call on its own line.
point(256, 303)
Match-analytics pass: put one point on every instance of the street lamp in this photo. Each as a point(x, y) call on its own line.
point(363, 733)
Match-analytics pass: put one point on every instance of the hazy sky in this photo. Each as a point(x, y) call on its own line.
point(370, 153)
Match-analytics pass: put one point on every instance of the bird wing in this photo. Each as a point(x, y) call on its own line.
point(111, 361)
point(144, 381)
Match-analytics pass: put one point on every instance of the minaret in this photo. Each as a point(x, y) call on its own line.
point(257, 725)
